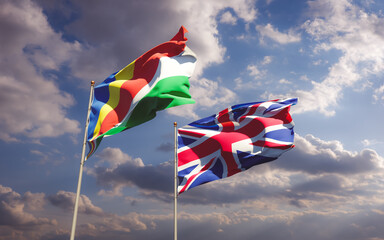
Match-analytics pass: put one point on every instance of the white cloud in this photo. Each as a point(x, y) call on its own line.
point(36, 107)
point(312, 168)
point(201, 21)
point(378, 94)
point(254, 71)
point(228, 18)
point(211, 93)
point(304, 78)
point(17, 224)
point(115, 157)
point(32, 105)
point(66, 201)
point(241, 84)
point(316, 156)
point(371, 142)
point(284, 81)
point(268, 31)
point(207, 93)
point(104, 55)
point(345, 27)
point(267, 60)
point(115, 224)
point(13, 209)
point(34, 201)
point(318, 62)
point(125, 171)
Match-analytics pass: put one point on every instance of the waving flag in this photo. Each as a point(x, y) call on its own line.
point(157, 80)
point(233, 140)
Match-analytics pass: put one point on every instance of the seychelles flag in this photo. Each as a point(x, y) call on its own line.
point(155, 81)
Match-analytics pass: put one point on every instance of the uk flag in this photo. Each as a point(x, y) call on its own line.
point(233, 140)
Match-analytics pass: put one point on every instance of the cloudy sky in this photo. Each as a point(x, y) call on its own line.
point(328, 53)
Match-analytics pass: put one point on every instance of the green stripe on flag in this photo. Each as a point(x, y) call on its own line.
point(168, 92)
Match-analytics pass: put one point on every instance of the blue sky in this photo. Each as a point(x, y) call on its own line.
point(328, 53)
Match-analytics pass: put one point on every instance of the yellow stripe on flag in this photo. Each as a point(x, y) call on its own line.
point(126, 73)
point(114, 94)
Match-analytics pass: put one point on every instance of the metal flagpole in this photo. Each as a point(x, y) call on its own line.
point(175, 187)
point(81, 165)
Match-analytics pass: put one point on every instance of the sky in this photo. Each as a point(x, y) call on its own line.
point(327, 53)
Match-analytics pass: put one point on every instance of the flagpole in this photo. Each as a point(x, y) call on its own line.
point(81, 165)
point(175, 187)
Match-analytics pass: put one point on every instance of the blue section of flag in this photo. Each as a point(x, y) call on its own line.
point(100, 98)
point(212, 174)
point(181, 142)
point(206, 123)
point(285, 135)
point(248, 160)
point(185, 172)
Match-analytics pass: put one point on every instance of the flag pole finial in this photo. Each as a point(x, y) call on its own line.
point(92, 83)
point(175, 124)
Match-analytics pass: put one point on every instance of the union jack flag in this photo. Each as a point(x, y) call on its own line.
point(233, 140)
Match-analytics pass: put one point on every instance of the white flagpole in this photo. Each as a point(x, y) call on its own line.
point(175, 187)
point(81, 165)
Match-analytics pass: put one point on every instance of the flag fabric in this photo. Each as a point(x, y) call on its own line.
point(157, 80)
point(233, 140)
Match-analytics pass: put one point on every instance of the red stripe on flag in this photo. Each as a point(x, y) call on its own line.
point(268, 144)
point(192, 177)
point(198, 152)
point(143, 73)
point(189, 133)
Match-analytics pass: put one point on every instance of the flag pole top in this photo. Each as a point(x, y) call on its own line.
point(92, 83)
point(175, 124)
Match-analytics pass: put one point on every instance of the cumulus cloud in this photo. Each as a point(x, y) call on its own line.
point(268, 31)
point(256, 72)
point(228, 18)
point(316, 156)
point(97, 25)
point(122, 170)
point(245, 222)
point(211, 93)
point(358, 224)
point(207, 93)
point(322, 167)
point(371, 142)
point(18, 224)
point(66, 201)
point(320, 180)
point(14, 215)
point(31, 44)
point(103, 55)
point(284, 81)
point(378, 95)
point(342, 26)
point(317, 177)
point(31, 103)
point(314, 172)
point(34, 201)
point(267, 60)
point(166, 147)
point(132, 225)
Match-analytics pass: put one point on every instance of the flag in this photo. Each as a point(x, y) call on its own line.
point(233, 140)
point(157, 80)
